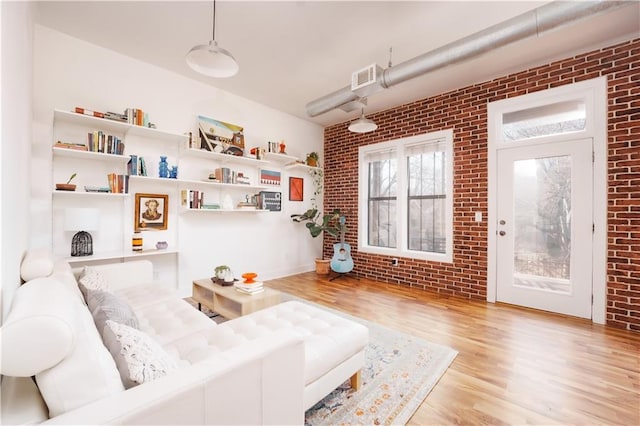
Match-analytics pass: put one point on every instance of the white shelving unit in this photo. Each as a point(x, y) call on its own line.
point(116, 208)
point(194, 166)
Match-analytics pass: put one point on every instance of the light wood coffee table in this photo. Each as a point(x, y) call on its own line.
point(230, 303)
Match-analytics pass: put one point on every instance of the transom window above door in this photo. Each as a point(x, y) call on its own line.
point(546, 120)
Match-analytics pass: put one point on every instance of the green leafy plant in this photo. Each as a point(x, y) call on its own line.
point(312, 159)
point(71, 178)
point(221, 269)
point(317, 178)
point(317, 223)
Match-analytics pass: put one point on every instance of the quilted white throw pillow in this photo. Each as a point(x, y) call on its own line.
point(138, 357)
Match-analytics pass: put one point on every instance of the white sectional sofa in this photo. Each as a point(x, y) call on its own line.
point(139, 354)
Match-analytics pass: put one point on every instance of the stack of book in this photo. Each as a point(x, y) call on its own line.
point(118, 184)
point(253, 288)
point(71, 145)
point(192, 199)
point(136, 166)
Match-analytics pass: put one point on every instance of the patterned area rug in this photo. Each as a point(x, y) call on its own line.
point(400, 371)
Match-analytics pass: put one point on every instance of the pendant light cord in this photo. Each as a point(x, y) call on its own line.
point(214, 20)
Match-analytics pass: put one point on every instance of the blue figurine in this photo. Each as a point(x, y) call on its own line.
point(163, 169)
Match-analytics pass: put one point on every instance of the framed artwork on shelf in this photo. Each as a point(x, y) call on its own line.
point(296, 189)
point(218, 136)
point(151, 212)
point(269, 177)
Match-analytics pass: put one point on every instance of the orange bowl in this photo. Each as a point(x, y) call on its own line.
point(248, 277)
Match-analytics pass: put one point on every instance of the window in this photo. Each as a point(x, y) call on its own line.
point(551, 119)
point(406, 197)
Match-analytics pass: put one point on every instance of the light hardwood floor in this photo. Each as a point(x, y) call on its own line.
point(515, 365)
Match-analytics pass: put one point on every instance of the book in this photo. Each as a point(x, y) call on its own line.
point(67, 145)
point(251, 288)
point(143, 167)
point(89, 112)
point(132, 165)
point(243, 291)
point(88, 188)
point(115, 116)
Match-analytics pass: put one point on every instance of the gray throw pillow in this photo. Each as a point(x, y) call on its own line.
point(107, 306)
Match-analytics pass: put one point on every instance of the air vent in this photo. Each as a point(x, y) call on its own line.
point(365, 81)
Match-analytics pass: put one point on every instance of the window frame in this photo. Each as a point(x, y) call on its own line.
point(402, 211)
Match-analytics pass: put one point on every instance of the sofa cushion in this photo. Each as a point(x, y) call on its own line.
point(329, 339)
point(37, 263)
point(87, 373)
point(64, 274)
point(93, 279)
point(138, 357)
point(38, 331)
point(107, 306)
point(164, 317)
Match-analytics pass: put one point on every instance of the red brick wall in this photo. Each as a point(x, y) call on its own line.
point(465, 111)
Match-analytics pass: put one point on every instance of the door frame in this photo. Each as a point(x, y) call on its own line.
point(594, 93)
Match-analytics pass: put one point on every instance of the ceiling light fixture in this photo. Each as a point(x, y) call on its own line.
point(362, 125)
point(211, 60)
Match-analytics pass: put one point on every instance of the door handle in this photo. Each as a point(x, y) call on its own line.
point(502, 233)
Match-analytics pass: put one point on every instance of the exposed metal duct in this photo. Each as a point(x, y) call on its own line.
point(533, 23)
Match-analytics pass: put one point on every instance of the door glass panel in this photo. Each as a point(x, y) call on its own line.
point(542, 227)
point(553, 119)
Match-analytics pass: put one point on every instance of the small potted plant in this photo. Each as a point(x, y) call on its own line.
point(312, 159)
point(67, 186)
point(221, 271)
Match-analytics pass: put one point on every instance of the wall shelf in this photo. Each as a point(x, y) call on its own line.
point(104, 124)
point(89, 155)
point(223, 158)
point(274, 157)
point(88, 194)
point(301, 166)
point(225, 210)
point(118, 255)
point(152, 179)
point(238, 186)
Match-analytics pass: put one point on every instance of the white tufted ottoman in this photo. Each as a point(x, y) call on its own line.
point(334, 345)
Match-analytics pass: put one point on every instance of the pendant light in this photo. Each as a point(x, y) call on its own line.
point(362, 125)
point(211, 60)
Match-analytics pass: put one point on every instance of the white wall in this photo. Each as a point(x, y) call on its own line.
point(69, 72)
point(16, 79)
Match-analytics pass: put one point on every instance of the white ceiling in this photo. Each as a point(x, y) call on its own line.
point(293, 52)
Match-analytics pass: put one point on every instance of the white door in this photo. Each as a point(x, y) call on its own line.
point(544, 241)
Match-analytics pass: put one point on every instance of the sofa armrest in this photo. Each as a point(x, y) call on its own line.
point(262, 383)
point(126, 274)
